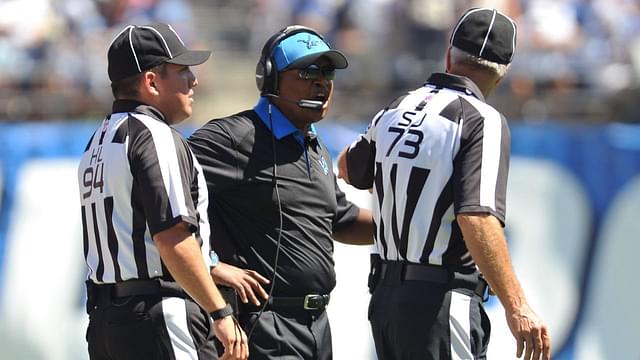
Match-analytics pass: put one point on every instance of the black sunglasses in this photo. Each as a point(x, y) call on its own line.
point(314, 73)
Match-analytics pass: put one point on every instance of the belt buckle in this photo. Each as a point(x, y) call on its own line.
point(313, 302)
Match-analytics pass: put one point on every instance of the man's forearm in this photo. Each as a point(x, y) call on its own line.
point(485, 240)
point(358, 233)
point(181, 254)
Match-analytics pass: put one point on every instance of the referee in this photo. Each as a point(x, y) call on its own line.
point(143, 203)
point(437, 159)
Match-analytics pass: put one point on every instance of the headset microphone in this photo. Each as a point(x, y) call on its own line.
point(303, 103)
point(310, 104)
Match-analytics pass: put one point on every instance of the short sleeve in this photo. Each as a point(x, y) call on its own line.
point(346, 211)
point(481, 166)
point(216, 151)
point(162, 169)
point(361, 157)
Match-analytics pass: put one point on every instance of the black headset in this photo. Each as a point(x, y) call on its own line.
point(266, 71)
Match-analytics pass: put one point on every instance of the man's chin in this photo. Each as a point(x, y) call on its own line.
point(180, 117)
point(318, 116)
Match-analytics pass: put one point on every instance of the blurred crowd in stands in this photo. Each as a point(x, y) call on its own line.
point(576, 60)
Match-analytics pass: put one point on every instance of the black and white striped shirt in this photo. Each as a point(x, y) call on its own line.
point(435, 152)
point(137, 177)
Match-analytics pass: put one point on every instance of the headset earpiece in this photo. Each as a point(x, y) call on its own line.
point(260, 74)
point(268, 82)
point(266, 71)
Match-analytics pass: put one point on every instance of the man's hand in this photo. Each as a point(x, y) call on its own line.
point(246, 282)
point(530, 334)
point(232, 337)
point(343, 173)
point(487, 244)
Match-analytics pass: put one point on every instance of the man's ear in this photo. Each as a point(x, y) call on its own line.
point(149, 83)
point(448, 60)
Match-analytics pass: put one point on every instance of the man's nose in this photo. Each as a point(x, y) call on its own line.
point(193, 80)
point(322, 82)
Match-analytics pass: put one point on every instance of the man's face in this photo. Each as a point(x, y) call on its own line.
point(313, 83)
point(175, 87)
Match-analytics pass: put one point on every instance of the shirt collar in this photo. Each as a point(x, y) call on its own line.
point(282, 126)
point(120, 106)
point(456, 82)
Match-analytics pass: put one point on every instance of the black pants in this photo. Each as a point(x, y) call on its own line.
point(421, 320)
point(149, 327)
point(289, 335)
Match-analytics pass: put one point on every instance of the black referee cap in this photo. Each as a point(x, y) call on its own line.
point(139, 48)
point(487, 34)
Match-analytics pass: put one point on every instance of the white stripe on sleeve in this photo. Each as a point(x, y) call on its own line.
point(169, 167)
point(492, 137)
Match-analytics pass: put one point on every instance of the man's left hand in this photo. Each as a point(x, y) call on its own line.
point(247, 283)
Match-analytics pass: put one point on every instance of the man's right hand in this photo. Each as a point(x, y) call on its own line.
point(232, 337)
point(530, 333)
point(247, 283)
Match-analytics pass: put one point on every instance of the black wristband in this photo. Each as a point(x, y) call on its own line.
point(222, 313)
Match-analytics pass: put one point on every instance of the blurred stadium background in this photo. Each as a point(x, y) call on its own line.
point(571, 97)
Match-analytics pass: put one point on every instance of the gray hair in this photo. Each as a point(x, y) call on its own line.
point(462, 57)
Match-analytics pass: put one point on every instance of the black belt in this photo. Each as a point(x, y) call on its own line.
point(416, 272)
point(310, 302)
point(104, 292)
point(307, 302)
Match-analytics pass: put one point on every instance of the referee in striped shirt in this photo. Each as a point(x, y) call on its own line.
point(437, 159)
point(144, 213)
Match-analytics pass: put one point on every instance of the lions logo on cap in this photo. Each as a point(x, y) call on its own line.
point(309, 42)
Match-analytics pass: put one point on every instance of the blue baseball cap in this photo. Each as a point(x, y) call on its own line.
point(303, 49)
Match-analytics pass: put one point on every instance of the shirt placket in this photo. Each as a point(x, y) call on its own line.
point(306, 156)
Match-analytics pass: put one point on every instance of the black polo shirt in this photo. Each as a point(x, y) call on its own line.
point(236, 154)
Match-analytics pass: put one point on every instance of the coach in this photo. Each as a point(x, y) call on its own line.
point(275, 204)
